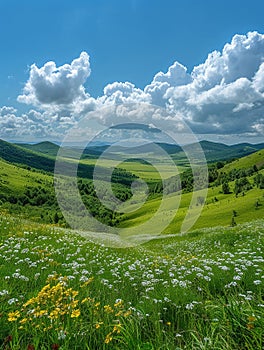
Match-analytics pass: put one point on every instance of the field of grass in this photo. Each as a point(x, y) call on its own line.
point(256, 158)
point(142, 170)
point(59, 290)
point(16, 178)
point(218, 209)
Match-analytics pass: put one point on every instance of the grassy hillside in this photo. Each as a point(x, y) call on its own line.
point(218, 151)
point(45, 147)
point(218, 210)
point(59, 290)
point(19, 155)
point(256, 158)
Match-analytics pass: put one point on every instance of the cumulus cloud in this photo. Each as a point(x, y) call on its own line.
point(57, 85)
point(126, 92)
point(34, 124)
point(223, 95)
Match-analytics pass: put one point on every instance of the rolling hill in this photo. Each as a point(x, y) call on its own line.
point(45, 147)
point(26, 158)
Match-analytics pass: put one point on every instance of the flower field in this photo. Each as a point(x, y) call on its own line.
point(60, 290)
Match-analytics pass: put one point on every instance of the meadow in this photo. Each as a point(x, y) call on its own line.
point(60, 290)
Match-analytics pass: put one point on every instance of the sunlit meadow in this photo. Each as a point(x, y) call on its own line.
point(59, 290)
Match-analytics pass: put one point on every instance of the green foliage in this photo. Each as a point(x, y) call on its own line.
point(259, 180)
point(242, 185)
point(225, 188)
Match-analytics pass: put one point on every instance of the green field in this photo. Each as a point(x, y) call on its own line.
point(245, 162)
point(203, 290)
point(218, 209)
point(66, 289)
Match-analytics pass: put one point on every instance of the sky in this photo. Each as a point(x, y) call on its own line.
point(202, 60)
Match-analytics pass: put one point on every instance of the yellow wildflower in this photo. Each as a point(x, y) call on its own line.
point(24, 320)
point(87, 282)
point(118, 303)
point(250, 326)
point(128, 313)
point(117, 329)
point(108, 338)
point(13, 316)
point(98, 325)
point(75, 313)
point(108, 309)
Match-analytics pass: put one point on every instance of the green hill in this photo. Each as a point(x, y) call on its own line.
point(25, 157)
point(219, 151)
point(45, 147)
point(256, 158)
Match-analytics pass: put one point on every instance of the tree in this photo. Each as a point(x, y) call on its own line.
point(225, 188)
point(233, 222)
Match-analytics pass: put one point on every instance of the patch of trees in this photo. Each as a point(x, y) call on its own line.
point(242, 185)
point(259, 181)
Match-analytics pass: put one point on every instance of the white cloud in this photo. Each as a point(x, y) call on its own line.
point(57, 85)
point(126, 92)
point(226, 92)
point(34, 124)
point(224, 95)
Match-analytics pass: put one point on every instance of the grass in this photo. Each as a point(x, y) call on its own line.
point(203, 290)
point(13, 178)
point(255, 158)
point(218, 209)
point(143, 170)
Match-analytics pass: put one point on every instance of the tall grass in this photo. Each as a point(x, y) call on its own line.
point(199, 291)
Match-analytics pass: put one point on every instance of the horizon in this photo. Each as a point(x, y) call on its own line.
point(76, 144)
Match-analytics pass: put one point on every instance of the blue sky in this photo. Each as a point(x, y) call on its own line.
point(127, 41)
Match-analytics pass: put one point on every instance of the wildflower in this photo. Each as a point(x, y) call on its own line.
point(87, 282)
point(98, 325)
point(108, 309)
point(24, 320)
point(127, 313)
point(108, 338)
point(75, 313)
point(250, 326)
point(12, 301)
point(3, 292)
point(118, 303)
point(117, 329)
point(61, 335)
point(13, 316)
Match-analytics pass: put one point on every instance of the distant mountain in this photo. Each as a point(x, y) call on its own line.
point(45, 147)
point(26, 158)
point(42, 155)
point(256, 158)
point(23, 156)
point(218, 151)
